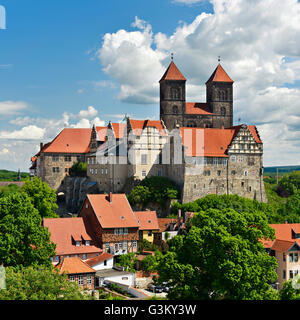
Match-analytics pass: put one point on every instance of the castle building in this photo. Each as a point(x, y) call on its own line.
point(194, 144)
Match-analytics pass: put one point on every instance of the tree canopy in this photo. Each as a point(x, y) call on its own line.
point(220, 257)
point(40, 283)
point(23, 240)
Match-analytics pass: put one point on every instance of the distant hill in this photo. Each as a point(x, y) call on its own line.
point(6, 175)
point(281, 169)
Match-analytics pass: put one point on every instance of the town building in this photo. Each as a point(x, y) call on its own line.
point(78, 271)
point(286, 249)
point(148, 225)
point(110, 219)
point(71, 239)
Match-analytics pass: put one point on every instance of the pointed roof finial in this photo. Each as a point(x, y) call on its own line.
point(219, 58)
point(172, 56)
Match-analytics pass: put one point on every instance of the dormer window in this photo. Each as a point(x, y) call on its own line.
point(88, 243)
point(77, 243)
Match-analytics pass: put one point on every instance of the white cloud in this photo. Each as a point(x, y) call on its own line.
point(259, 45)
point(12, 107)
point(89, 113)
point(31, 132)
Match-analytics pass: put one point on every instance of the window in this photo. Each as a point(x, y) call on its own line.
point(72, 278)
point(150, 233)
point(134, 244)
point(250, 188)
point(175, 109)
point(296, 257)
point(233, 158)
point(223, 111)
point(124, 278)
point(219, 172)
point(55, 169)
point(284, 274)
point(233, 172)
point(68, 158)
point(102, 171)
point(88, 243)
point(107, 246)
point(125, 245)
point(291, 257)
point(175, 93)
point(291, 274)
point(77, 243)
point(116, 247)
point(55, 158)
point(204, 160)
point(215, 161)
point(245, 173)
point(80, 280)
point(144, 173)
point(89, 280)
point(88, 160)
point(96, 171)
point(125, 230)
point(66, 169)
point(241, 158)
point(224, 162)
point(242, 183)
point(144, 159)
point(283, 257)
point(116, 232)
point(206, 172)
point(106, 171)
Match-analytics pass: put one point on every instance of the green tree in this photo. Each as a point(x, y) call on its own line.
point(127, 261)
point(220, 257)
point(288, 292)
point(40, 283)
point(11, 188)
point(42, 196)
point(23, 240)
point(150, 262)
point(139, 195)
point(78, 169)
point(290, 211)
point(289, 184)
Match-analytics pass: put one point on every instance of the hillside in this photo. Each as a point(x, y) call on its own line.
point(281, 169)
point(6, 175)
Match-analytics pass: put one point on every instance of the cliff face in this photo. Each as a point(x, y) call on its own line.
point(72, 193)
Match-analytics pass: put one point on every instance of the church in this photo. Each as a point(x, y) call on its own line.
point(195, 144)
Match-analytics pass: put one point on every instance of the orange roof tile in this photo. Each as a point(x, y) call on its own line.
point(172, 73)
point(74, 265)
point(164, 223)
point(93, 261)
point(219, 75)
point(139, 125)
point(119, 129)
point(101, 132)
point(197, 108)
point(114, 214)
point(70, 141)
point(147, 220)
point(282, 245)
point(63, 229)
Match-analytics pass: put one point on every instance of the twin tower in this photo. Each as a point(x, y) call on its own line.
point(217, 112)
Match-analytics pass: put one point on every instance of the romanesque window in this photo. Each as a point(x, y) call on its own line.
point(222, 95)
point(223, 111)
point(175, 110)
point(175, 93)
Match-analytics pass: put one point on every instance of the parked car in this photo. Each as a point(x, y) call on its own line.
point(155, 288)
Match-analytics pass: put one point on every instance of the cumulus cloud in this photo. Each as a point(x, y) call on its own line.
point(8, 108)
point(89, 113)
point(259, 45)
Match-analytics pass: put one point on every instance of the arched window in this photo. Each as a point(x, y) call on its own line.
point(223, 111)
point(175, 110)
point(175, 93)
point(222, 95)
point(191, 124)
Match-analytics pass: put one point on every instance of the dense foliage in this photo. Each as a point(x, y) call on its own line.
point(79, 169)
point(153, 189)
point(23, 240)
point(40, 283)
point(289, 184)
point(220, 257)
point(127, 261)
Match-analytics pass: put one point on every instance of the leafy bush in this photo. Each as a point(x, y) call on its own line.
point(79, 169)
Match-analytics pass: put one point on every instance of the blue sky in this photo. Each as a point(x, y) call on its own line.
point(92, 61)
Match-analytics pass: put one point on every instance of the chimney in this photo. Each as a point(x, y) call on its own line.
point(41, 146)
point(110, 197)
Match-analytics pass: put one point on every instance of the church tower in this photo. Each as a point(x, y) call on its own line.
point(219, 97)
point(172, 97)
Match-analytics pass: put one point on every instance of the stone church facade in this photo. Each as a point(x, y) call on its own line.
point(194, 144)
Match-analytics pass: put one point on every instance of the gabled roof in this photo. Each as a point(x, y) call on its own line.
point(70, 140)
point(63, 230)
point(172, 73)
point(165, 223)
point(283, 245)
point(102, 257)
point(219, 75)
point(139, 125)
point(116, 213)
point(101, 132)
point(147, 220)
point(197, 108)
point(74, 265)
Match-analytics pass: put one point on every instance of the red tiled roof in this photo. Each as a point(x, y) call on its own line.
point(172, 73)
point(139, 125)
point(93, 261)
point(219, 75)
point(164, 223)
point(101, 132)
point(147, 220)
point(74, 265)
point(70, 141)
point(114, 214)
point(197, 108)
point(282, 245)
point(63, 229)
